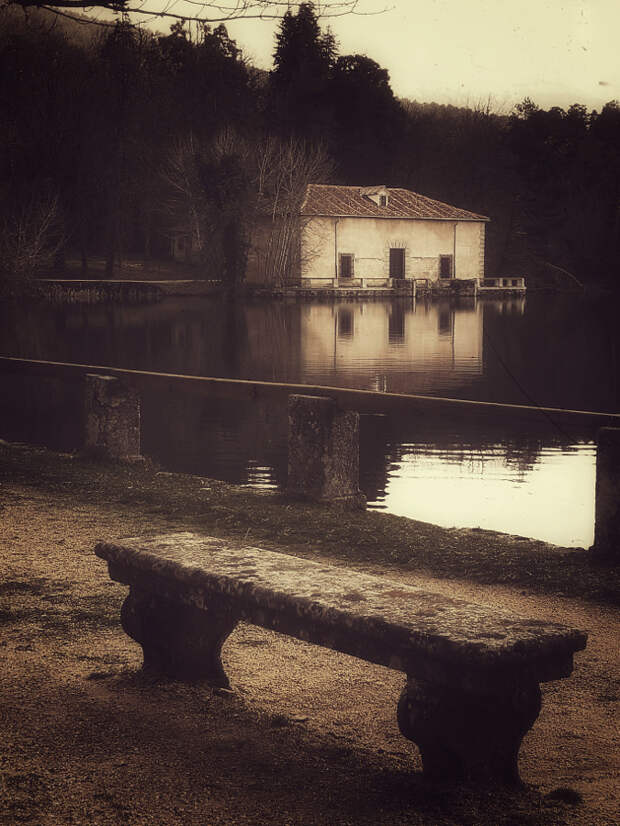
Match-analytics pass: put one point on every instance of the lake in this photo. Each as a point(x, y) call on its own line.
point(535, 480)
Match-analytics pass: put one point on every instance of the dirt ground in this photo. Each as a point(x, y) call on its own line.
point(307, 736)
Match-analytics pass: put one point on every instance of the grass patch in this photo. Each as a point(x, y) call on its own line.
point(355, 537)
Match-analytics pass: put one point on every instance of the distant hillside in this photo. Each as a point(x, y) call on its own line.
point(82, 32)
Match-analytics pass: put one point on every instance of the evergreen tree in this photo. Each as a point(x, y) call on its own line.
point(299, 83)
point(368, 121)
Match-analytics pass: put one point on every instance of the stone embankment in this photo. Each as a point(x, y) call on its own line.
point(86, 291)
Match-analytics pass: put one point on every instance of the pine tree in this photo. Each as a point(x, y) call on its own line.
point(303, 62)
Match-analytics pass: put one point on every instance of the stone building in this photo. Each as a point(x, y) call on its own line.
point(373, 236)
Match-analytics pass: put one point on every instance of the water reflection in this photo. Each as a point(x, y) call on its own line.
point(552, 500)
point(533, 478)
point(400, 347)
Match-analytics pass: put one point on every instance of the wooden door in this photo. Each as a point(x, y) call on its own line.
point(397, 262)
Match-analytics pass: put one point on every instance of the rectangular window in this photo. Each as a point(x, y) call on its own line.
point(397, 262)
point(382, 200)
point(346, 265)
point(445, 266)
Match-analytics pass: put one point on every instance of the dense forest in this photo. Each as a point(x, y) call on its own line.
point(115, 139)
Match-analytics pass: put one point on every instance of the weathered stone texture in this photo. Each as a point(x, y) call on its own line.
point(400, 626)
point(112, 418)
point(180, 641)
point(465, 735)
point(473, 673)
point(607, 519)
point(323, 452)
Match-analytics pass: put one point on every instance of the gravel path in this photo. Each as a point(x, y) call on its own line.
point(308, 735)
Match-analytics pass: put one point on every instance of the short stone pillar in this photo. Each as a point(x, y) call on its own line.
point(607, 514)
point(323, 452)
point(112, 428)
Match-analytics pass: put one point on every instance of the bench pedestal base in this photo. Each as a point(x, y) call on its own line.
point(467, 736)
point(178, 641)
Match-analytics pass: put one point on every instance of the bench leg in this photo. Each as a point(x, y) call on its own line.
point(467, 736)
point(178, 641)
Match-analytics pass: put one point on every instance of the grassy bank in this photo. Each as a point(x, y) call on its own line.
point(355, 537)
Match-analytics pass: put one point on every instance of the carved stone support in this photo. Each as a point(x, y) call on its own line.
point(178, 641)
point(467, 736)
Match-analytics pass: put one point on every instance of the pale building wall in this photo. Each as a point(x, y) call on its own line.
point(470, 249)
point(369, 240)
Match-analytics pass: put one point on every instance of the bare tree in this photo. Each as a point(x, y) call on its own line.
point(29, 237)
point(200, 11)
point(185, 207)
point(211, 199)
point(283, 171)
point(261, 194)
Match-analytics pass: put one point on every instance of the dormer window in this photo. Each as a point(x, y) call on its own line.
point(377, 194)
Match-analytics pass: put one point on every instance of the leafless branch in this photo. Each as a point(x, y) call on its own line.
point(283, 170)
point(210, 10)
point(29, 237)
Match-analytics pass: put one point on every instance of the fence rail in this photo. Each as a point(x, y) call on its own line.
point(363, 401)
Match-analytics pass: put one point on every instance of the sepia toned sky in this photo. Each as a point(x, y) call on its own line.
point(556, 52)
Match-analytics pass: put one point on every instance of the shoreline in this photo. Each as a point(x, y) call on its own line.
point(352, 536)
point(306, 736)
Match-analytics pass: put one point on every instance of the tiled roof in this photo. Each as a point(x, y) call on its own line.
point(350, 202)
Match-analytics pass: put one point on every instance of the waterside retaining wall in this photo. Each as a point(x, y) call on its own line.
point(88, 291)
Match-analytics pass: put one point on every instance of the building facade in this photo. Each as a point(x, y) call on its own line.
point(375, 236)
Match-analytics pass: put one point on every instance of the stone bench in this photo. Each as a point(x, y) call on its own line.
point(473, 673)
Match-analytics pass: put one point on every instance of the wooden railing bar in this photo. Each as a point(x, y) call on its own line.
point(364, 401)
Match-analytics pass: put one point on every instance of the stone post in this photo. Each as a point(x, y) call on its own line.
point(607, 515)
point(112, 419)
point(323, 452)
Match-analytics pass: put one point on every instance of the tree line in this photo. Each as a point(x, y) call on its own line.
point(114, 140)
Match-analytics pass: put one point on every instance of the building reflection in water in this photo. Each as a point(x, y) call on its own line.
point(527, 479)
point(396, 346)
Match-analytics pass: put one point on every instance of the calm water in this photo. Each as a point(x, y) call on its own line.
point(535, 480)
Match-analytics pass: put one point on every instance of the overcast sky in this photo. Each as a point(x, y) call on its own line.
point(557, 52)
